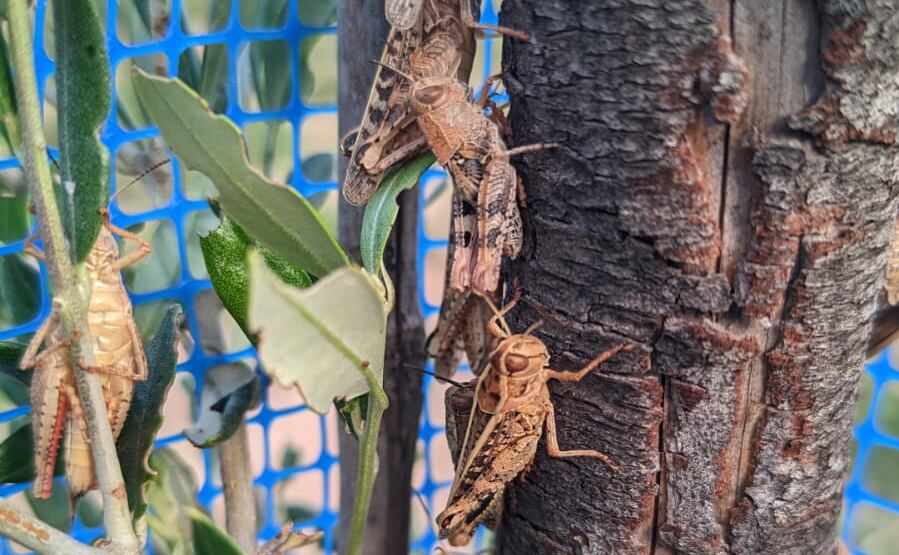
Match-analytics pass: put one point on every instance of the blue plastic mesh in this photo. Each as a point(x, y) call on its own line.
point(432, 478)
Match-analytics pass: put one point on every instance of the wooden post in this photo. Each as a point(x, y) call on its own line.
point(725, 200)
point(361, 31)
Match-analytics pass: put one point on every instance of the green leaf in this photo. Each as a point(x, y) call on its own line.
point(8, 111)
point(273, 214)
point(381, 210)
point(170, 495)
point(225, 253)
point(20, 293)
point(10, 354)
point(135, 443)
point(319, 167)
point(14, 383)
point(56, 510)
point(317, 338)
point(209, 539)
point(229, 390)
point(321, 13)
point(83, 101)
point(14, 220)
point(271, 72)
point(17, 456)
point(353, 413)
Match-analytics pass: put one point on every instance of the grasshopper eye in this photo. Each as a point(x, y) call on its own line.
point(429, 95)
point(516, 363)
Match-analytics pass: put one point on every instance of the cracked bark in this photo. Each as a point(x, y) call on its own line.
point(361, 31)
point(725, 201)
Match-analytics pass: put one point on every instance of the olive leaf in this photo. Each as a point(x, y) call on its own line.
point(83, 97)
point(381, 210)
point(171, 494)
point(273, 214)
point(135, 443)
point(327, 339)
point(229, 390)
point(225, 253)
point(209, 539)
point(17, 456)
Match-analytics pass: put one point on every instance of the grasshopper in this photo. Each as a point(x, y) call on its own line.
point(402, 14)
point(511, 406)
point(462, 326)
point(120, 361)
point(434, 38)
point(469, 144)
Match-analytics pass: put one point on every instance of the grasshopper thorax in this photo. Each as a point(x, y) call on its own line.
point(103, 255)
point(519, 356)
point(433, 93)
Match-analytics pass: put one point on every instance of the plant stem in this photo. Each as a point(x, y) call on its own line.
point(365, 477)
point(37, 536)
point(68, 299)
point(237, 484)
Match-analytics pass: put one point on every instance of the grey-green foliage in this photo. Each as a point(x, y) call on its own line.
point(316, 338)
point(83, 101)
point(273, 214)
point(135, 442)
point(229, 390)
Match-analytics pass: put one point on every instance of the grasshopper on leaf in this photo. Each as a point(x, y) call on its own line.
point(120, 361)
point(510, 409)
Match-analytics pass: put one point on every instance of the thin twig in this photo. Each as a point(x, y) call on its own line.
point(72, 312)
point(237, 484)
point(365, 476)
point(37, 536)
point(234, 453)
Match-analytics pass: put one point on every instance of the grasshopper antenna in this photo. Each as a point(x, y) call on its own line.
point(429, 373)
point(534, 327)
point(499, 316)
point(143, 174)
point(393, 69)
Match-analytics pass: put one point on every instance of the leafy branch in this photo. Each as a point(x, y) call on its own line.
point(68, 298)
point(324, 333)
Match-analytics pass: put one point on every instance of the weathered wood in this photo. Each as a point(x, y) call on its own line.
point(728, 210)
point(361, 32)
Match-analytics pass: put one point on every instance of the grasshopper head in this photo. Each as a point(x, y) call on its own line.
point(458, 524)
point(520, 356)
point(432, 93)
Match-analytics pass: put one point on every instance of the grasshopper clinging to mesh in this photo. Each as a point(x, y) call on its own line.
point(120, 361)
point(510, 408)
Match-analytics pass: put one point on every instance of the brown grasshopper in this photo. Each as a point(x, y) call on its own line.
point(511, 406)
point(402, 14)
point(462, 326)
point(120, 361)
point(469, 144)
point(434, 38)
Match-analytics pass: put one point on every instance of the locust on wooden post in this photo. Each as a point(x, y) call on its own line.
point(120, 361)
point(510, 408)
point(469, 144)
point(433, 38)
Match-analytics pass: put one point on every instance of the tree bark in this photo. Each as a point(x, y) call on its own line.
point(724, 201)
point(362, 29)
